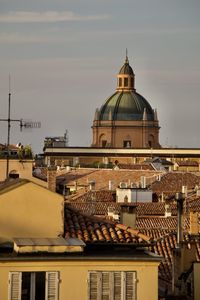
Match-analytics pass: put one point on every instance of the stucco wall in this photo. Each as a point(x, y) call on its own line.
point(196, 281)
point(73, 276)
point(24, 168)
point(30, 211)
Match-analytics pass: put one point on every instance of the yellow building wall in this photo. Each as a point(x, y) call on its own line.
point(30, 211)
point(196, 281)
point(24, 168)
point(73, 276)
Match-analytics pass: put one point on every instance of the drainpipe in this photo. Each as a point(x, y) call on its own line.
point(180, 197)
point(176, 265)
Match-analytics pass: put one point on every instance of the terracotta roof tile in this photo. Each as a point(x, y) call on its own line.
point(172, 182)
point(92, 230)
point(103, 176)
point(162, 223)
point(188, 163)
point(136, 166)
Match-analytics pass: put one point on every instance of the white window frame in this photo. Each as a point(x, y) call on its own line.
point(51, 285)
point(95, 288)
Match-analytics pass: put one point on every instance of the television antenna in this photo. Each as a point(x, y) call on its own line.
point(22, 124)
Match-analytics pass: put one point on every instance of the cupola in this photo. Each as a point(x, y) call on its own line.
point(126, 77)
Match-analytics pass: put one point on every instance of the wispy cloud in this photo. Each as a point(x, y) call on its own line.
point(48, 17)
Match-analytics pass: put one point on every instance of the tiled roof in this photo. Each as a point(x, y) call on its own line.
point(101, 177)
point(165, 246)
point(188, 163)
point(142, 209)
point(169, 223)
point(93, 196)
point(95, 230)
point(95, 208)
point(193, 205)
point(155, 208)
point(172, 182)
point(136, 167)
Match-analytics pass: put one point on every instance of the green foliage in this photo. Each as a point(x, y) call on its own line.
point(25, 152)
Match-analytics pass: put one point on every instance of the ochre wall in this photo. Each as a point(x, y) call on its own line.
point(196, 281)
point(24, 168)
point(73, 276)
point(30, 211)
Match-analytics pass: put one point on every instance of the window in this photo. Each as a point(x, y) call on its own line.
point(119, 285)
point(132, 82)
point(120, 81)
point(127, 144)
point(33, 286)
point(104, 143)
point(126, 81)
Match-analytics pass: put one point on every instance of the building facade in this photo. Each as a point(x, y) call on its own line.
point(126, 119)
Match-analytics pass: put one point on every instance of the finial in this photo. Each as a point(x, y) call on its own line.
point(9, 83)
point(126, 60)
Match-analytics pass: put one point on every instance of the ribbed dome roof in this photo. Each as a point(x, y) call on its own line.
point(125, 106)
point(126, 68)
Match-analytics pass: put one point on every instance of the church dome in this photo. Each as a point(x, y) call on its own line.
point(126, 119)
point(126, 106)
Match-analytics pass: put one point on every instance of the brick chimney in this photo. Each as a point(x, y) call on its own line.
point(51, 179)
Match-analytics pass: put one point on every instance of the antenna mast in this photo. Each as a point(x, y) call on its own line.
point(23, 124)
point(8, 138)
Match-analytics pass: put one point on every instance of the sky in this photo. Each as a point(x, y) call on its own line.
point(63, 57)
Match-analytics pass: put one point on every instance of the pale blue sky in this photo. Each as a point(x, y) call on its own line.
point(63, 57)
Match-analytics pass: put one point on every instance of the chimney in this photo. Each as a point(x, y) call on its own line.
point(128, 214)
point(168, 212)
point(184, 190)
point(91, 185)
point(180, 197)
point(143, 182)
point(51, 179)
point(110, 185)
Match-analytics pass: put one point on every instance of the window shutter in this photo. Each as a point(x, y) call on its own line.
point(108, 285)
point(130, 285)
point(15, 279)
point(51, 290)
point(93, 285)
point(105, 286)
point(117, 286)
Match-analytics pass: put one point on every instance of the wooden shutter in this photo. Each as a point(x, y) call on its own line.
point(130, 285)
point(105, 286)
point(51, 290)
point(117, 284)
point(94, 282)
point(15, 279)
